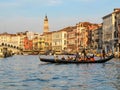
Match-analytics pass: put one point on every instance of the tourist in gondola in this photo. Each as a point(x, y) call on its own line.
point(92, 58)
point(63, 58)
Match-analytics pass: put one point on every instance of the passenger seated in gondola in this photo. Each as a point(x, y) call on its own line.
point(92, 58)
point(63, 58)
point(79, 59)
point(87, 58)
point(72, 58)
point(56, 57)
point(69, 58)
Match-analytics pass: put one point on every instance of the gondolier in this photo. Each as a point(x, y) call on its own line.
point(84, 53)
point(103, 53)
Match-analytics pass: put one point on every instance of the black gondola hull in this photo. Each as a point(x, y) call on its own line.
point(75, 61)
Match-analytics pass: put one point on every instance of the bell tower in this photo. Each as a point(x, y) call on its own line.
point(46, 27)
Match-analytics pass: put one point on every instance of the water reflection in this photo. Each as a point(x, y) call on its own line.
point(27, 72)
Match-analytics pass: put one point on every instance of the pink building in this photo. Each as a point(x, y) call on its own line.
point(28, 44)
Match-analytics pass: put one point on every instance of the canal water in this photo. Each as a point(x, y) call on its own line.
point(28, 73)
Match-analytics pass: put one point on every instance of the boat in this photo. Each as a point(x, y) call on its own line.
point(52, 60)
point(4, 53)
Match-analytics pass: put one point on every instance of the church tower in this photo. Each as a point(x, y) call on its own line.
point(46, 27)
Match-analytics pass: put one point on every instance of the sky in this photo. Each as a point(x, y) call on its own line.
point(28, 15)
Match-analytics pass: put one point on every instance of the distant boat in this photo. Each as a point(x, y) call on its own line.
point(51, 60)
point(4, 53)
point(1, 55)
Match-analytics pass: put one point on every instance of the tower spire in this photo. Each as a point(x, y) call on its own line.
point(46, 26)
point(46, 17)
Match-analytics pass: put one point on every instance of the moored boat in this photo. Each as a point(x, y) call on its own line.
point(4, 53)
point(64, 61)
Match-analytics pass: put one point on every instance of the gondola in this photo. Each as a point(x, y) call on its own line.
point(75, 61)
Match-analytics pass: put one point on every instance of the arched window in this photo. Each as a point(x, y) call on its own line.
point(5, 44)
point(8, 45)
point(11, 45)
point(17, 47)
point(2, 44)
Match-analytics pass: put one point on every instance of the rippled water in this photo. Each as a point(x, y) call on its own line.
point(28, 73)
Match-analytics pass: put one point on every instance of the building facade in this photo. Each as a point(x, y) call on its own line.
point(71, 40)
point(28, 44)
point(10, 39)
point(118, 28)
point(110, 32)
point(59, 41)
point(41, 44)
point(81, 35)
point(97, 39)
point(48, 41)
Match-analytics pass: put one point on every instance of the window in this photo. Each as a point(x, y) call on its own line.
point(65, 42)
point(65, 35)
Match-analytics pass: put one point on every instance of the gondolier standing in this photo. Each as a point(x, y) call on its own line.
point(84, 53)
point(77, 56)
point(103, 53)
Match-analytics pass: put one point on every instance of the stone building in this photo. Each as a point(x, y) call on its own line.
point(22, 36)
point(59, 41)
point(118, 28)
point(110, 31)
point(97, 39)
point(28, 44)
point(10, 39)
point(71, 40)
point(41, 44)
point(48, 40)
point(82, 35)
